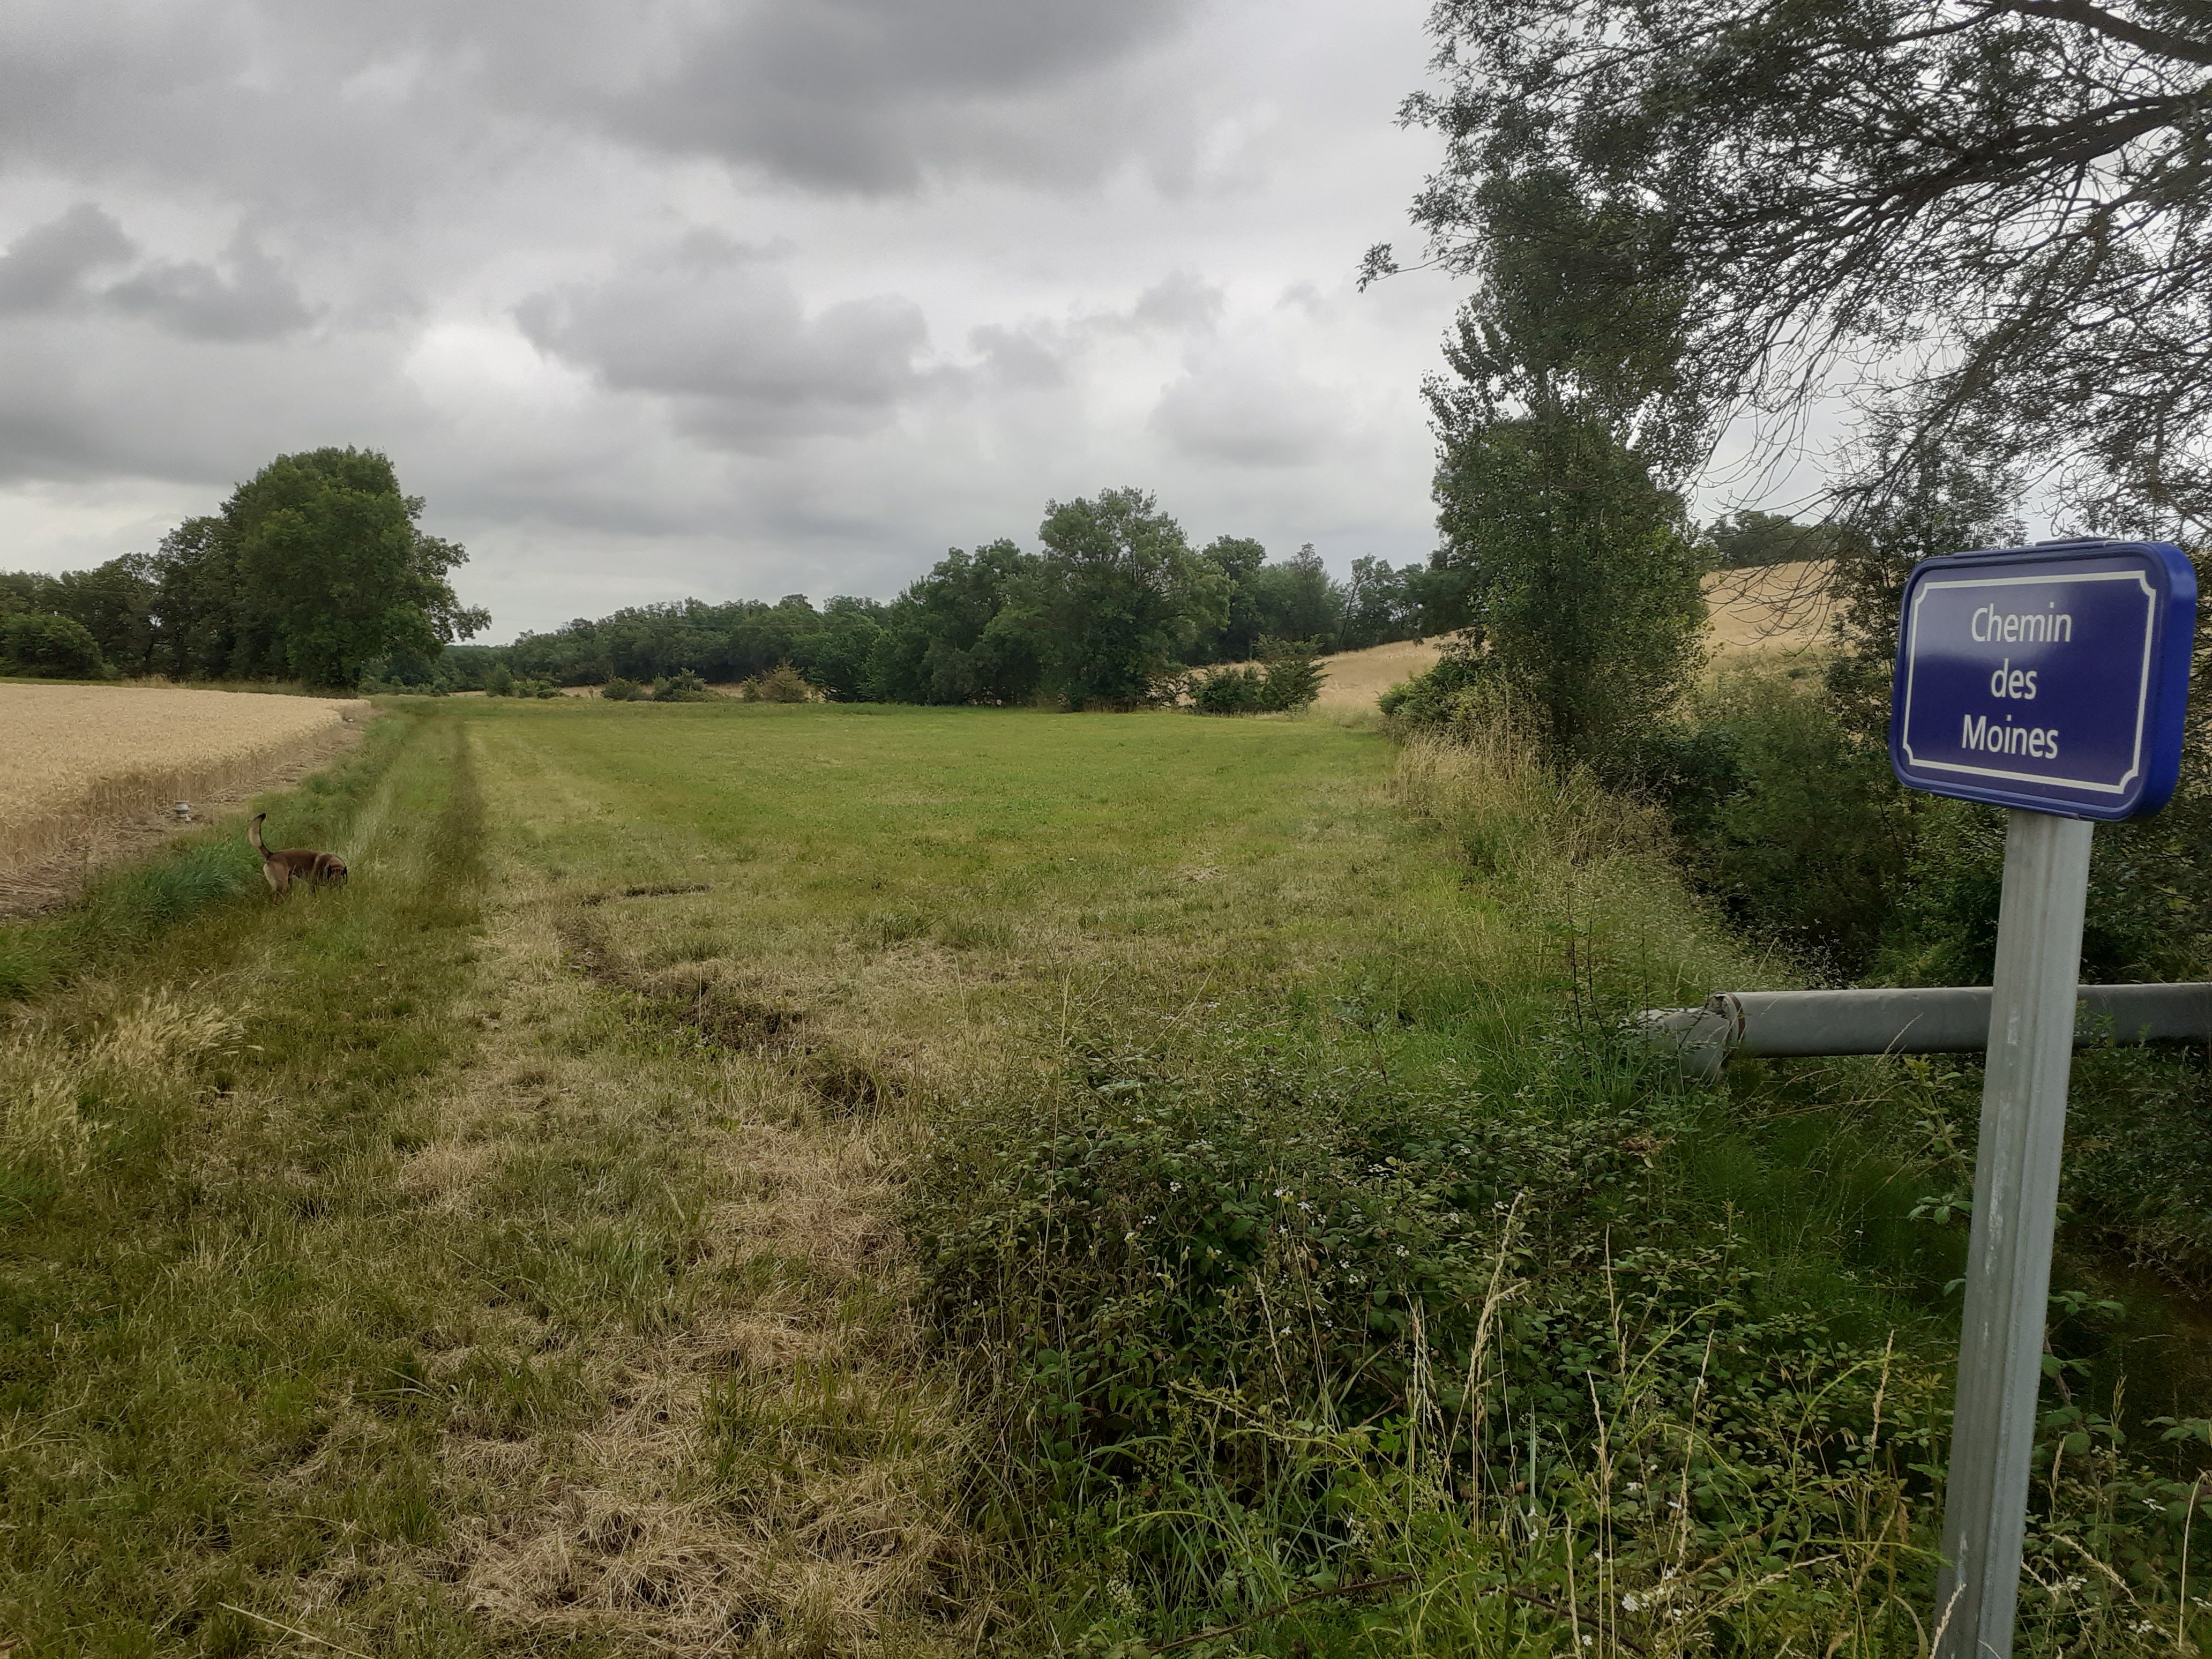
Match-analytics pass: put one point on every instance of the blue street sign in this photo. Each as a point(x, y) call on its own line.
point(2049, 677)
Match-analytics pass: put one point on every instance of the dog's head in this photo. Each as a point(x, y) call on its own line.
point(333, 868)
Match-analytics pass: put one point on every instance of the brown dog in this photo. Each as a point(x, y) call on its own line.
point(279, 869)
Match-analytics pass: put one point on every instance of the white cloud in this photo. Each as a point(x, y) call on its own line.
point(665, 299)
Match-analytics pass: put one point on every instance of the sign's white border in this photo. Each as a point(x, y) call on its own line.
point(2142, 690)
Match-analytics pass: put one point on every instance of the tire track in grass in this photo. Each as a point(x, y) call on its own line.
point(708, 1426)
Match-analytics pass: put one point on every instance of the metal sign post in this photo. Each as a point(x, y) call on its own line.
point(2052, 681)
point(2031, 1053)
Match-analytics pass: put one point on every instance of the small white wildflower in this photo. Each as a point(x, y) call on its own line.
point(1174, 1185)
point(1629, 1604)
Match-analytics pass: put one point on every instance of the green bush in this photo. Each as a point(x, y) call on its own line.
point(58, 646)
point(1293, 673)
point(1796, 826)
point(685, 686)
point(1435, 701)
point(620, 690)
point(1288, 678)
point(781, 683)
point(1228, 691)
point(1268, 1321)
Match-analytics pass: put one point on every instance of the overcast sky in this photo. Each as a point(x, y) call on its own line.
point(733, 298)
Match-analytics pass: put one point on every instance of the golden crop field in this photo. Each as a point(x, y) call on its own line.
point(1777, 608)
point(73, 757)
point(1772, 608)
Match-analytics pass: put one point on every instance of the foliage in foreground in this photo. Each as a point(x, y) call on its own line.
point(1981, 213)
point(1387, 1356)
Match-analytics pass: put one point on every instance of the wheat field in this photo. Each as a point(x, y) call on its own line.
point(1777, 608)
point(74, 757)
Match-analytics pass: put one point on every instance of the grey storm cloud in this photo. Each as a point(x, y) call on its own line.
point(1241, 406)
point(1039, 356)
point(296, 104)
point(50, 268)
point(719, 331)
point(867, 95)
point(255, 302)
point(47, 267)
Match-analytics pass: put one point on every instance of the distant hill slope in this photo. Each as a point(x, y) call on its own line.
point(1776, 607)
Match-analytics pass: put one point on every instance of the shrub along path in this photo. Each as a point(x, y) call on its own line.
point(819, 1179)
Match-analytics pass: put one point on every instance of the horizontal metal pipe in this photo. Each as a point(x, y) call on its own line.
point(1940, 1020)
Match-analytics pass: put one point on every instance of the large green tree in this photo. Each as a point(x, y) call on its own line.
point(1564, 420)
point(196, 603)
point(835, 656)
point(1296, 600)
point(949, 638)
point(1116, 599)
point(1574, 576)
point(115, 604)
point(331, 565)
point(1995, 215)
point(1241, 559)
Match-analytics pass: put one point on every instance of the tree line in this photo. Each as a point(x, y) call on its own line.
point(1112, 608)
point(311, 571)
point(316, 571)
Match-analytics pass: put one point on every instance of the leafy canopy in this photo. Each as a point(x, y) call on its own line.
point(1995, 212)
point(330, 561)
point(1116, 599)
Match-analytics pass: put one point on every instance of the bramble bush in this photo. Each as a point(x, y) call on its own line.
point(58, 646)
point(1391, 1356)
point(1278, 1324)
point(1288, 677)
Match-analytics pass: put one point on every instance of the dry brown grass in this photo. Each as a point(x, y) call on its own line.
point(1775, 608)
point(76, 757)
point(1781, 608)
point(1357, 678)
point(768, 1475)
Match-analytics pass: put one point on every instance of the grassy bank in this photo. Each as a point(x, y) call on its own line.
point(819, 1179)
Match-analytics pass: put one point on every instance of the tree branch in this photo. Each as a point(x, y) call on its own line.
point(2165, 42)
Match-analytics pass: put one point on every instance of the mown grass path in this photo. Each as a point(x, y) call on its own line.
point(510, 1261)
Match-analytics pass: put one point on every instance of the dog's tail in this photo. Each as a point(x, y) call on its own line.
point(253, 835)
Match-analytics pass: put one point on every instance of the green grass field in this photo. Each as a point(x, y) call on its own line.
point(813, 1180)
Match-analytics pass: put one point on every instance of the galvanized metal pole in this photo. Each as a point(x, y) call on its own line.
point(2031, 1051)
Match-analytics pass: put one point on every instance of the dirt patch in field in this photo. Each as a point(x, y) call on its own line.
point(103, 842)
